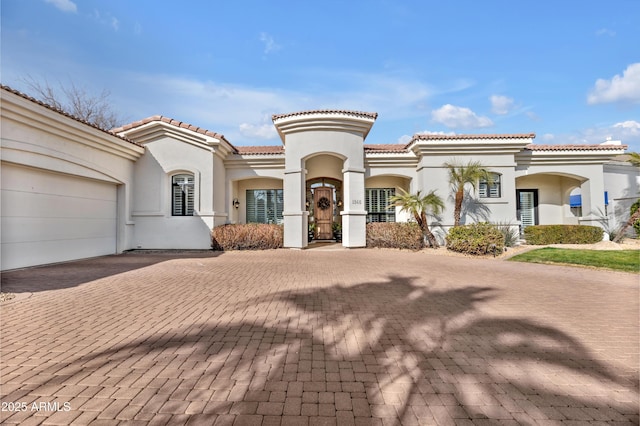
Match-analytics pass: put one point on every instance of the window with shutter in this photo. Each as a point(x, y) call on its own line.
point(490, 190)
point(182, 195)
point(265, 205)
point(376, 203)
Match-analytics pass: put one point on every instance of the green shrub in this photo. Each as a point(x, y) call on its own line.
point(400, 235)
point(477, 239)
point(252, 236)
point(563, 234)
point(636, 224)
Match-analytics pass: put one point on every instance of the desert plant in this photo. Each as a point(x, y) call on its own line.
point(634, 208)
point(251, 236)
point(402, 235)
point(635, 217)
point(510, 232)
point(563, 234)
point(459, 176)
point(478, 239)
point(420, 206)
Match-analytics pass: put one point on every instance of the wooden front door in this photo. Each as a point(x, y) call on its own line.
point(323, 203)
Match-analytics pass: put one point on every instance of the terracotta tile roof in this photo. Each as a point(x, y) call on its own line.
point(423, 136)
point(62, 112)
point(533, 147)
point(258, 150)
point(372, 115)
point(384, 148)
point(171, 121)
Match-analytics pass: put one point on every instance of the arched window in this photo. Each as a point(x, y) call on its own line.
point(182, 195)
point(490, 189)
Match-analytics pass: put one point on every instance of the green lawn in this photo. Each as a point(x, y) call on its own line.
point(620, 260)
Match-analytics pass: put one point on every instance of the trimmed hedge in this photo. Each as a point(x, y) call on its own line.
point(251, 236)
point(478, 239)
point(400, 235)
point(563, 234)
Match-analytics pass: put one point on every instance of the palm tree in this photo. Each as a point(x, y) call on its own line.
point(419, 206)
point(634, 159)
point(461, 175)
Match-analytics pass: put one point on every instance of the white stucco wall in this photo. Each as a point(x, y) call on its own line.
point(553, 197)
point(49, 158)
point(155, 227)
point(247, 184)
point(433, 175)
point(397, 182)
point(335, 139)
point(622, 182)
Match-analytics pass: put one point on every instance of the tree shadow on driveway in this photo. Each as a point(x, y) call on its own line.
point(393, 352)
point(72, 274)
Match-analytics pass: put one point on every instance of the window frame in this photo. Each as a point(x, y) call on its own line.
point(187, 198)
point(273, 208)
point(486, 191)
point(384, 215)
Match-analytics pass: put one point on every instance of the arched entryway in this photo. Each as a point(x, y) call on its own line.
point(310, 138)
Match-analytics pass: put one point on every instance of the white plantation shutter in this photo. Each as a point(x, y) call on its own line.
point(376, 202)
point(490, 191)
point(527, 209)
point(182, 195)
point(265, 205)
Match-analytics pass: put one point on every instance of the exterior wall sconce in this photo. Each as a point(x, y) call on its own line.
point(236, 203)
point(307, 203)
point(339, 203)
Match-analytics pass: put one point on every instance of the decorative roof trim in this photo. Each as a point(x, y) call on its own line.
point(64, 113)
point(427, 136)
point(584, 147)
point(370, 115)
point(260, 150)
point(173, 122)
point(385, 148)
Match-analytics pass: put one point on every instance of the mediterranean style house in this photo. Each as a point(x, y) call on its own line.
point(71, 190)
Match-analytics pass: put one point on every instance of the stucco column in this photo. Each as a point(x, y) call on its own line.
point(295, 215)
point(354, 216)
point(592, 191)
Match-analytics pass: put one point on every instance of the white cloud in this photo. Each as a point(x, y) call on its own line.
point(261, 131)
point(405, 139)
point(548, 137)
point(64, 5)
point(625, 88)
point(269, 43)
point(501, 105)
point(532, 116)
point(626, 131)
point(629, 125)
point(137, 28)
point(106, 19)
point(456, 117)
point(605, 31)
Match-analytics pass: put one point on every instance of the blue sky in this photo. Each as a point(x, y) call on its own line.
point(568, 70)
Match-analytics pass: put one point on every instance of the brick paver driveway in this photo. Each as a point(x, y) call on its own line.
point(286, 337)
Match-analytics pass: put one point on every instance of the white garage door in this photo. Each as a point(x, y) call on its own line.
point(50, 217)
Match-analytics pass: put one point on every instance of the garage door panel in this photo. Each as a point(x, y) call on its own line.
point(28, 229)
point(40, 252)
point(36, 205)
point(37, 181)
point(49, 217)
